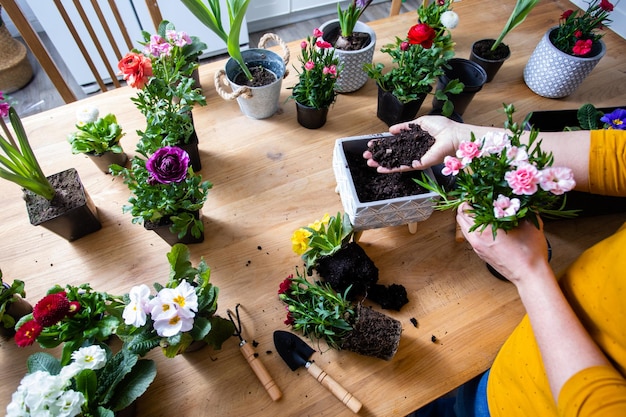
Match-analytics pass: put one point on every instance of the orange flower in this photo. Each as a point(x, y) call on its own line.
point(136, 69)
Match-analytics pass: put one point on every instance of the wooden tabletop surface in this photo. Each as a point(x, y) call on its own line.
point(270, 177)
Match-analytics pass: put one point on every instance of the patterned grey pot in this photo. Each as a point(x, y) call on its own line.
point(552, 73)
point(352, 76)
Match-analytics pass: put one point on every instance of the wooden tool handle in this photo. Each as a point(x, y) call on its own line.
point(260, 371)
point(333, 386)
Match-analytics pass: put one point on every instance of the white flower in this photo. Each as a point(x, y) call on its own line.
point(42, 394)
point(494, 142)
point(135, 312)
point(86, 114)
point(90, 357)
point(69, 404)
point(183, 297)
point(449, 19)
point(173, 321)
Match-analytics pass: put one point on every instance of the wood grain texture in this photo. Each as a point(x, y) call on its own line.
point(270, 177)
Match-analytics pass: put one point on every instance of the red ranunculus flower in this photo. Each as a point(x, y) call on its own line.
point(28, 333)
point(136, 69)
point(582, 47)
point(51, 309)
point(421, 34)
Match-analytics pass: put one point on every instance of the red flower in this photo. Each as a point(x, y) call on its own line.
point(51, 309)
point(566, 14)
point(136, 69)
point(578, 34)
point(404, 46)
point(74, 308)
point(582, 47)
point(323, 45)
point(290, 320)
point(285, 286)
point(421, 34)
point(606, 5)
point(28, 333)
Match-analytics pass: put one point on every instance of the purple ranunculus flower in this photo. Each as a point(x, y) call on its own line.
point(168, 164)
point(616, 119)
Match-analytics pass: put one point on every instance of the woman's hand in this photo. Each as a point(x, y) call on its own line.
point(447, 133)
point(518, 254)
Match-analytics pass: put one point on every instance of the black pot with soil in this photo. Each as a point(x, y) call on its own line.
point(489, 60)
point(71, 214)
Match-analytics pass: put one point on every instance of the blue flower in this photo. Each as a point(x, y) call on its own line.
point(615, 120)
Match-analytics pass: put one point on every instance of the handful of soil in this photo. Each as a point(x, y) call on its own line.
point(402, 149)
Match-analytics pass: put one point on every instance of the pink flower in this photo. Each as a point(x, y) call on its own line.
point(578, 34)
point(309, 65)
point(178, 38)
point(332, 70)
point(557, 180)
point(524, 180)
point(4, 108)
point(517, 156)
point(582, 47)
point(404, 46)
point(323, 45)
point(467, 151)
point(452, 165)
point(494, 143)
point(505, 206)
point(304, 44)
point(317, 33)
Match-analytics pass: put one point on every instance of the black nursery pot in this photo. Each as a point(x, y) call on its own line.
point(162, 228)
point(105, 160)
point(472, 75)
point(191, 147)
point(71, 214)
point(490, 65)
point(392, 111)
point(311, 117)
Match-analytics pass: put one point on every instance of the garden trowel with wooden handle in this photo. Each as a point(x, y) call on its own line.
point(296, 353)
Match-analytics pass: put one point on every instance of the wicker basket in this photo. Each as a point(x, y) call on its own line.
point(15, 69)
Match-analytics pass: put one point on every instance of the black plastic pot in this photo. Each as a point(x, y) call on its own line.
point(310, 117)
point(392, 111)
point(473, 77)
point(105, 160)
point(191, 147)
point(71, 214)
point(490, 65)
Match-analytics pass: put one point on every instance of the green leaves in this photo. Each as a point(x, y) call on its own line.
point(211, 17)
point(98, 137)
point(518, 15)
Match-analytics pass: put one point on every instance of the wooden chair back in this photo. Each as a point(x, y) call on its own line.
point(395, 7)
point(110, 28)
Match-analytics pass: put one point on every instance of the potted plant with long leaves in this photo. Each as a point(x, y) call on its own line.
point(98, 138)
point(167, 195)
point(13, 306)
point(95, 383)
point(255, 75)
point(71, 214)
point(354, 43)
point(491, 53)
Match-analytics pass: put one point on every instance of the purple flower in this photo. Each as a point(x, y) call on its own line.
point(615, 119)
point(168, 164)
point(4, 106)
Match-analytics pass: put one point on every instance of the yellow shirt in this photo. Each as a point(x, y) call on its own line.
point(595, 285)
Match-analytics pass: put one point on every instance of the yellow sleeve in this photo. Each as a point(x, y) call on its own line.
point(597, 391)
point(607, 162)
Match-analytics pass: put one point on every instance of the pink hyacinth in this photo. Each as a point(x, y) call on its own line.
point(505, 206)
point(467, 151)
point(452, 165)
point(524, 180)
point(557, 180)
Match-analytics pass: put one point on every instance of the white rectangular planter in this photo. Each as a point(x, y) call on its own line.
point(376, 214)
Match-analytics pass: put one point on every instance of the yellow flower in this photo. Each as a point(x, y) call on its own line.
point(318, 223)
point(300, 241)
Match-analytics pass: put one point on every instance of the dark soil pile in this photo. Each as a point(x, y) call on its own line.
point(354, 42)
point(348, 266)
point(402, 149)
point(260, 77)
point(483, 50)
point(392, 297)
point(374, 334)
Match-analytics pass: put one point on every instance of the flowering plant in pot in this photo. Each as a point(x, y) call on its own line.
point(321, 313)
point(418, 61)
point(348, 18)
point(491, 54)
point(69, 213)
point(255, 75)
point(504, 180)
point(166, 96)
point(12, 305)
point(590, 118)
point(317, 77)
point(567, 53)
point(95, 383)
point(166, 191)
point(182, 312)
point(98, 137)
point(72, 316)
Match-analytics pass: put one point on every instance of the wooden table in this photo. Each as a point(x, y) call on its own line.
point(270, 177)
